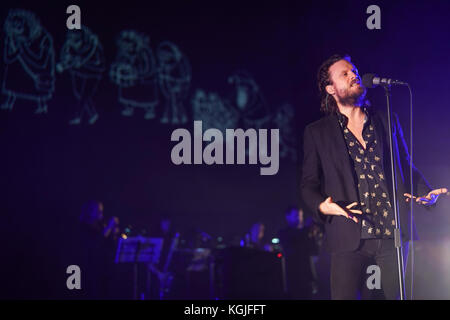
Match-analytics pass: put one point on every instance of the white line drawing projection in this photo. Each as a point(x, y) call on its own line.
point(82, 55)
point(29, 59)
point(174, 81)
point(135, 73)
point(211, 109)
point(246, 109)
point(248, 100)
point(284, 120)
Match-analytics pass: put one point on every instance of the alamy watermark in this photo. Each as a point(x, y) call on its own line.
point(233, 144)
point(74, 280)
point(374, 280)
point(74, 20)
point(374, 20)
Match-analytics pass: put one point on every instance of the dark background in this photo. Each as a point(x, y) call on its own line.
point(49, 169)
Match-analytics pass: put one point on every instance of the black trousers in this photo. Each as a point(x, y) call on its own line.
point(349, 271)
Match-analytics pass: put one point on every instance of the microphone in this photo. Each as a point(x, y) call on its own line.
point(370, 80)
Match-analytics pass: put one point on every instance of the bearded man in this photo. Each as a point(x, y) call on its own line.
point(346, 181)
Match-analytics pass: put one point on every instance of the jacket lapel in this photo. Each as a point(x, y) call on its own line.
point(338, 144)
point(338, 155)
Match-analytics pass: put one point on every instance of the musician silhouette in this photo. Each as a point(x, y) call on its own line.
point(97, 243)
point(255, 238)
point(298, 241)
point(162, 274)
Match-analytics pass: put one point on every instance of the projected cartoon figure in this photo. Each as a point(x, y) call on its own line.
point(283, 120)
point(174, 81)
point(135, 73)
point(29, 61)
point(248, 100)
point(82, 56)
point(211, 109)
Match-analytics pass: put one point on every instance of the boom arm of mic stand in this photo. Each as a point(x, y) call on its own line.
point(397, 233)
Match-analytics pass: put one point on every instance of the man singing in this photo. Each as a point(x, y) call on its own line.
point(346, 181)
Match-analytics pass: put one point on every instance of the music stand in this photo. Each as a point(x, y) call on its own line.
point(138, 250)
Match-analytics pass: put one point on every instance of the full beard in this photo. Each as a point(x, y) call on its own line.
point(352, 97)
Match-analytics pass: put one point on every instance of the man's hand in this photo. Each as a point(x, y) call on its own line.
point(328, 207)
point(429, 199)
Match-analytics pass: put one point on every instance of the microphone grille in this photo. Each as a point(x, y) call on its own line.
point(367, 80)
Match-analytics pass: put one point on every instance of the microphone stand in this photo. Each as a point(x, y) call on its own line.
point(397, 234)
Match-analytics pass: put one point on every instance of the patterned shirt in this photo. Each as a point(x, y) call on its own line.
point(378, 217)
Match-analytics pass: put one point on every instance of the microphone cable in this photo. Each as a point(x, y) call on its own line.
point(411, 189)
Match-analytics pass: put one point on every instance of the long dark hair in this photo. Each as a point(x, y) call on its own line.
point(328, 104)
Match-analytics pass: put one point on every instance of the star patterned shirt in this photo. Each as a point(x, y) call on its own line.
point(377, 220)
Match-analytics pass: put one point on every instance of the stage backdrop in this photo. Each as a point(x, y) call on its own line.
point(88, 115)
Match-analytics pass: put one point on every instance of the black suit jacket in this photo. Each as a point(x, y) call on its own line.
point(328, 171)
